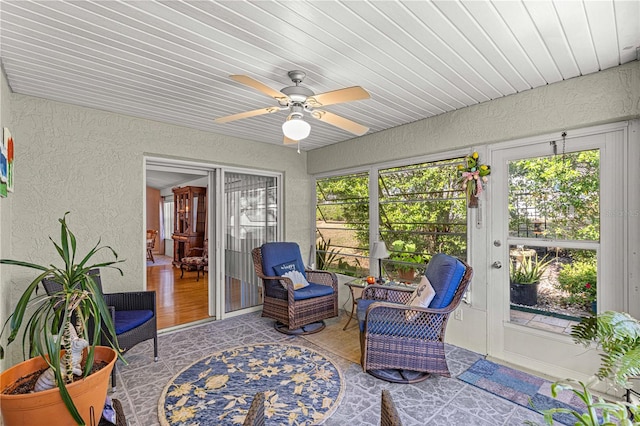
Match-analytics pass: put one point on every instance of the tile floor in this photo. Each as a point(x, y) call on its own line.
point(436, 401)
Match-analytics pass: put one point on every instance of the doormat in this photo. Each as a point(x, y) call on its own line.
point(521, 388)
point(301, 387)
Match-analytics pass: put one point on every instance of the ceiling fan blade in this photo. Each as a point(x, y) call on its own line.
point(288, 141)
point(247, 114)
point(349, 94)
point(246, 80)
point(341, 122)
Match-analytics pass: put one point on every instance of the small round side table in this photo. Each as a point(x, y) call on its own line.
point(354, 285)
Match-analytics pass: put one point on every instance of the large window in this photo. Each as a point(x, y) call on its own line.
point(422, 212)
point(418, 211)
point(342, 224)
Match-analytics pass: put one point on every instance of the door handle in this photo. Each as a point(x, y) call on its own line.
point(496, 265)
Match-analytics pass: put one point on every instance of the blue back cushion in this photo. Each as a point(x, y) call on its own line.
point(128, 320)
point(444, 272)
point(278, 258)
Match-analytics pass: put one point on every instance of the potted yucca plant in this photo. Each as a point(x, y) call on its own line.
point(51, 322)
point(524, 277)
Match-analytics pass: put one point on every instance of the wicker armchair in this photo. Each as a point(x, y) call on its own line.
point(388, 413)
point(133, 315)
point(295, 311)
point(255, 415)
point(401, 343)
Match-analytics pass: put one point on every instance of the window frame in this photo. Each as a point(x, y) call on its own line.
point(374, 211)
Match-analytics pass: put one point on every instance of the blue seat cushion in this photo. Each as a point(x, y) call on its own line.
point(311, 291)
point(361, 311)
point(128, 320)
point(444, 272)
point(281, 257)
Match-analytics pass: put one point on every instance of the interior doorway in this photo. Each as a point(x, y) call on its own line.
point(222, 211)
point(177, 211)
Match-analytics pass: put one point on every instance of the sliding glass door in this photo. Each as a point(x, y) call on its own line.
point(252, 212)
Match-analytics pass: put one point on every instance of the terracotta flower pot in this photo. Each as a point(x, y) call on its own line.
point(407, 275)
point(47, 407)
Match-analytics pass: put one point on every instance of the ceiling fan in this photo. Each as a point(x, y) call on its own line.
point(299, 100)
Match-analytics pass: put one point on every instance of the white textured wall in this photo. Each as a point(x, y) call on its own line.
point(5, 212)
point(606, 96)
point(90, 162)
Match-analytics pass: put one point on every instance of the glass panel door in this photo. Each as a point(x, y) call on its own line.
point(554, 235)
point(547, 226)
point(251, 203)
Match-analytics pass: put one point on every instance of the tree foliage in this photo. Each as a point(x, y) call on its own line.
point(562, 192)
point(421, 205)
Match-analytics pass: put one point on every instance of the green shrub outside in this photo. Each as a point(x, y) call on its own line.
point(579, 279)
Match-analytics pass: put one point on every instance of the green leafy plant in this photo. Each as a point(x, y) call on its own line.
point(579, 280)
point(617, 334)
point(404, 253)
point(611, 413)
point(48, 319)
point(346, 268)
point(324, 255)
point(528, 271)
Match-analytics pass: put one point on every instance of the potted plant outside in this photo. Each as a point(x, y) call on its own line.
point(524, 277)
point(325, 255)
point(406, 259)
point(50, 322)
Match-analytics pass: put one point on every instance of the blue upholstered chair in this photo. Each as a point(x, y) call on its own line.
point(402, 343)
point(133, 314)
point(299, 311)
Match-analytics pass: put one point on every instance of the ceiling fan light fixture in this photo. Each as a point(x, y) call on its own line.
point(296, 128)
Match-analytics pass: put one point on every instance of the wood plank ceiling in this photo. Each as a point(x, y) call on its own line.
point(170, 61)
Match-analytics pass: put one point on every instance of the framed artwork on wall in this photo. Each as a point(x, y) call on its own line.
point(6, 164)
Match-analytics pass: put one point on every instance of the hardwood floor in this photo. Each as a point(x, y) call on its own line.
point(178, 300)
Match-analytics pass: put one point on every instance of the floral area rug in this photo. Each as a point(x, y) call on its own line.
point(301, 386)
point(522, 388)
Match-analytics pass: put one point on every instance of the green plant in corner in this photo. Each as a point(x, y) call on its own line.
point(528, 271)
point(611, 413)
point(617, 334)
point(49, 319)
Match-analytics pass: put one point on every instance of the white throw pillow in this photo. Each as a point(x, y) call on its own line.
point(421, 297)
point(298, 279)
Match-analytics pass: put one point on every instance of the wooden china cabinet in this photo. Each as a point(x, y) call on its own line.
point(190, 220)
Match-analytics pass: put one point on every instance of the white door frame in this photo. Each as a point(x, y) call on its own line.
point(542, 350)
